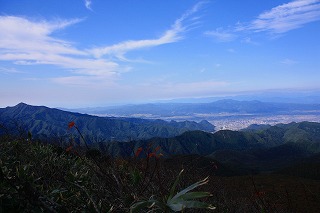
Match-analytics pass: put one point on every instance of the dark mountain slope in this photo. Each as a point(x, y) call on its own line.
point(260, 159)
point(239, 152)
point(192, 142)
point(307, 168)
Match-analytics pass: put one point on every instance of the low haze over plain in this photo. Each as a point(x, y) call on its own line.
point(95, 53)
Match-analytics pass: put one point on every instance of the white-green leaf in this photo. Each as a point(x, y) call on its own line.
point(193, 186)
point(194, 195)
point(173, 188)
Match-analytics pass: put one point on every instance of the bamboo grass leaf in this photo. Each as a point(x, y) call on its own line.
point(173, 188)
point(193, 186)
point(195, 195)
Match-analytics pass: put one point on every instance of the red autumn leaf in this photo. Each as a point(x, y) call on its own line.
point(69, 148)
point(71, 124)
point(151, 154)
point(157, 148)
point(260, 193)
point(138, 151)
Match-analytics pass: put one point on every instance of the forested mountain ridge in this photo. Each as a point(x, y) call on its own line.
point(239, 152)
point(46, 123)
point(302, 136)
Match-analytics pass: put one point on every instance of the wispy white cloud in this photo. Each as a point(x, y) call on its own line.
point(174, 34)
point(285, 17)
point(9, 70)
point(19, 34)
point(85, 81)
point(27, 42)
point(288, 61)
point(248, 40)
point(276, 21)
point(221, 35)
point(30, 42)
point(88, 3)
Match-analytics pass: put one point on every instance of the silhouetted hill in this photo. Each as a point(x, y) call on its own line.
point(46, 123)
point(306, 168)
point(200, 164)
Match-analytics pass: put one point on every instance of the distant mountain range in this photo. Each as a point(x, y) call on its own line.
point(47, 123)
point(187, 109)
point(302, 97)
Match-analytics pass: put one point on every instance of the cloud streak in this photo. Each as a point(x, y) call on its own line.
point(288, 61)
point(221, 35)
point(8, 70)
point(285, 17)
point(88, 3)
point(28, 42)
point(276, 21)
point(174, 34)
point(20, 35)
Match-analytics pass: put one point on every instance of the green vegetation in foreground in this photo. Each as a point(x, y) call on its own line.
point(42, 178)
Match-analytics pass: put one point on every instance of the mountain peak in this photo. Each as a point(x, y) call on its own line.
point(21, 104)
point(20, 107)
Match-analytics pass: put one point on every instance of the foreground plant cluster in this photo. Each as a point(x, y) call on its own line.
point(37, 177)
point(40, 177)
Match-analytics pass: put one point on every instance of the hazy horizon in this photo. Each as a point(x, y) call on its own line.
point(101, 53)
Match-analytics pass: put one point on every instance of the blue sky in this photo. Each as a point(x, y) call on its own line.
point(95, 52)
